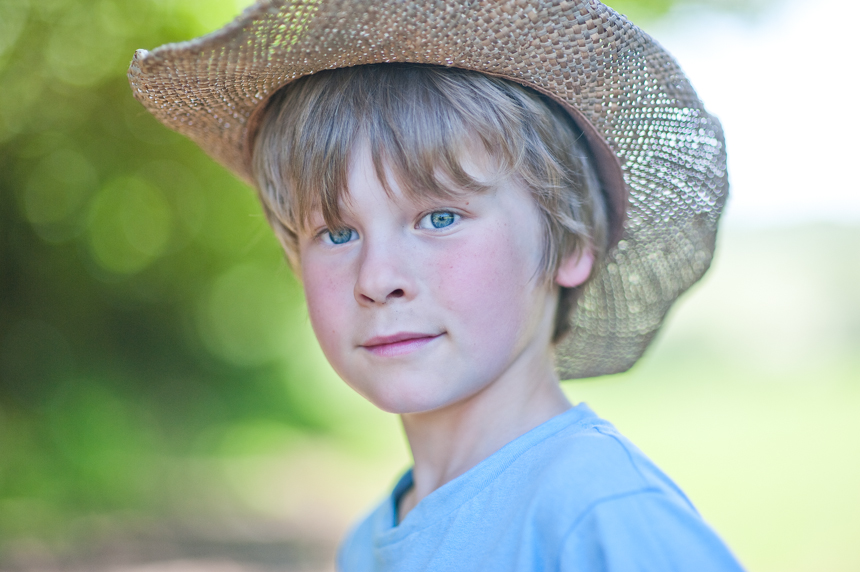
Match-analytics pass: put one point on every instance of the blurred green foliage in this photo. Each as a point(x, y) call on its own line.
point(145, 308)
point(143, 300)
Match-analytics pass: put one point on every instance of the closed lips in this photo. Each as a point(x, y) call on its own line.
point(397, 344)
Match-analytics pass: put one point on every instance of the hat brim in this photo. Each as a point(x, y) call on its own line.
point(660, 156)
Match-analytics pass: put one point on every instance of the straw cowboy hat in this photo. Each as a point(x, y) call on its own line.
point(659, 155)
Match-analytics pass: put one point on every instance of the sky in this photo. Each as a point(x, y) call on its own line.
point(784, 84)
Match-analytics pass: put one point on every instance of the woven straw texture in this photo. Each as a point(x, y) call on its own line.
point(661, 156)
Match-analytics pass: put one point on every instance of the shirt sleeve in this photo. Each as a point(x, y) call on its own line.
point(644, 531)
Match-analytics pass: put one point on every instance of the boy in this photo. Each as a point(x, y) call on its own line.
point(462, 225)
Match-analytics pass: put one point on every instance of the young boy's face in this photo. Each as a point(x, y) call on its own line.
point(420, 306)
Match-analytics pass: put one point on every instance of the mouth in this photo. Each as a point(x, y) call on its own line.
point(398, 344)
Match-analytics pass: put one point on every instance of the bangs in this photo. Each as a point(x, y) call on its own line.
point(416, 120)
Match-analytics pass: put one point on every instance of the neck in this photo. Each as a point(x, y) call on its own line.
point(448, 442)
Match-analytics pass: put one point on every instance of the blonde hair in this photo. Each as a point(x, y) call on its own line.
point(418, 121)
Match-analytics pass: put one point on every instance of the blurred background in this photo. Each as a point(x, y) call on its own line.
point(164, 406)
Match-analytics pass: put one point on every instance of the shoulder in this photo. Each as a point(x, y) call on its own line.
point(589, 462)
point(609, 507)
point(643, 531)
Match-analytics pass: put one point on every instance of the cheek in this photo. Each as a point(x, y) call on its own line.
point(486, 282)
point(327, 294)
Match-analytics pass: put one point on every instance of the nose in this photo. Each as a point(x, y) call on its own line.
point(384, 273)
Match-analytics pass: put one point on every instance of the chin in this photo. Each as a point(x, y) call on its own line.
point(411, 396)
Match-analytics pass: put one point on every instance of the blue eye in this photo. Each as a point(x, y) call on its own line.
point(340, 236)
point(441, 219)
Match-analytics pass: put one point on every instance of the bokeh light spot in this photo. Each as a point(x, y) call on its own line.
point(130, 225)
point(58, 187)
point(182, 188)
point(21, 90)
point(82, 51)
point(247, 316)
point(13, 17)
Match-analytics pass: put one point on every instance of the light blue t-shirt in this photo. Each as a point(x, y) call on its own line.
point(569, 495)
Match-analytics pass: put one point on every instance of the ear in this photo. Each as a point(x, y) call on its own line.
point(575, 268)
